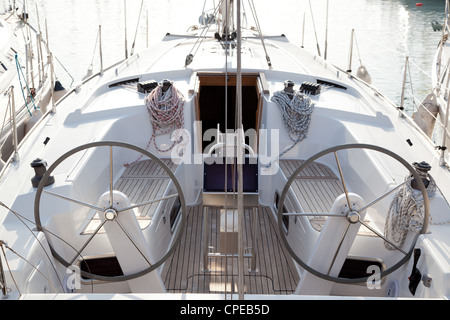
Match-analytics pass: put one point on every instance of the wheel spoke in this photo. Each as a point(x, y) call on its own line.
point(338, 249)
point(382, 237)
point(309, 214)
point(111, 201)
point(87, 242)
point(385, 195)
point(148, 202)
point(343, 181)
point(133, 242)
point(74, 201)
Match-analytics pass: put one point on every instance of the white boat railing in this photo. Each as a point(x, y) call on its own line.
point(31, 87)
point(15, 156)
point(12, 111)
point(407, 93)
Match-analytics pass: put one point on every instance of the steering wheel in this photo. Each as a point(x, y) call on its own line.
point(353, 214)
point(110, 213)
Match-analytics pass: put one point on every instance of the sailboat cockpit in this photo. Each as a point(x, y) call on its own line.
point(249, 168)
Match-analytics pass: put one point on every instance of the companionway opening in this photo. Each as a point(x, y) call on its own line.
point(214, 93)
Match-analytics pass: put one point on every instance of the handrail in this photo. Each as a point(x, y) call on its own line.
point(223, 144)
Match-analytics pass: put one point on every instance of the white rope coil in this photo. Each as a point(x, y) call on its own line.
point(406, 213)
point(296, 109)
point(166, 113)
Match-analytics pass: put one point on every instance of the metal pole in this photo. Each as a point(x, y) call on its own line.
point(350, 56)
point(38, 41)
point(24, 12)
point(52, 82)
point(403, 87)
point(46, 36)
point(441, 45)
point(3, 287)
point(30, 58)
point(42, 57)
point(27, 68)
point(303, 31)
point(254, 236)
point(37, 16)
point(125, 15)
point(100, 48)
point(326, 34)
point(240, 156)
point(14, 126)
point(205, 239)
point(444, 138)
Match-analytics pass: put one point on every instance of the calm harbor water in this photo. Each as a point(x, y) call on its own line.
point(386, 32)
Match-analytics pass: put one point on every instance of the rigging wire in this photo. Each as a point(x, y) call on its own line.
point(314, 26)
point(137, 27)
point(326, 33)
point(240, 155)
point(258, 26)
point(226, 157)
point(200, 39)
point(93, 53)
point(411, 85)
point(21, 218)
point(2, 244)
point(396, 52)
point(20, 72)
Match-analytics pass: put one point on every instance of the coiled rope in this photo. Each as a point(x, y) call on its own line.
point(166, 113)
point(296, 109)
point(406, 213)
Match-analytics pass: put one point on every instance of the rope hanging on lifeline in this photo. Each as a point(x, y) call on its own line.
point(165, 106)
point(30, 94)
point(296, 109)
point(406, 213)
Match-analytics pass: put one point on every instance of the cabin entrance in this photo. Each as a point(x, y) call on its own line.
point(216, 108)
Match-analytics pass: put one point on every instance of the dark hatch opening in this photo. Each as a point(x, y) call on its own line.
point(211, 102)
point(102, 266)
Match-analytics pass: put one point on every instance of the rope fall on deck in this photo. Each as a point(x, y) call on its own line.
point(296, 109)
point(165, 106)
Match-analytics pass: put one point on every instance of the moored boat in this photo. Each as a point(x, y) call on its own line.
point(231, 163)
point(27, 83)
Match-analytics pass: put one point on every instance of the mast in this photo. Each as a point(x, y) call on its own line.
point(240, 155)
point(125, 18)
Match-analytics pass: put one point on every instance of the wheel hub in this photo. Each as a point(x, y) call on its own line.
point(353, 217)
point(110, 214)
